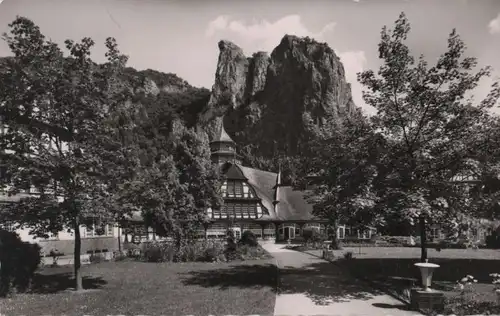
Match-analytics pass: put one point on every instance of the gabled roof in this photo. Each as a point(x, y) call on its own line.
point(292, 204)
point(263, 183)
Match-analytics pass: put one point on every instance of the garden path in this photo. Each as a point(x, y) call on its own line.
point(312, 286)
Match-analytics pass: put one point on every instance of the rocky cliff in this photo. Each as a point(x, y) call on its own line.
point(263, 99)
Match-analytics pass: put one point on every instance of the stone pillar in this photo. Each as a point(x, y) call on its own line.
point(205, 228)
point(125, 235)
point(301, 227)
point(276, 232)
point(262, 228)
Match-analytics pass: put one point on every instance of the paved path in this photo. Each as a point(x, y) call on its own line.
point(312, 286)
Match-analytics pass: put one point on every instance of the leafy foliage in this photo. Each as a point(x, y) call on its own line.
point(248, 238)
point(174, 188)
point(19, 261)
point(428, 121)
point(341, 165)
point(58, 141)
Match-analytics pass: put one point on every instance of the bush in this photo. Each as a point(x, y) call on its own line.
point(248, 238)
point(231, 246)
point(317, 238)
point(96, 258)
point(213, 251)
point(159, 252)
point(19, 261)
point(206, 251)
point(119, 256)
point(348, 255)
point(307, 234)
point(493, 240)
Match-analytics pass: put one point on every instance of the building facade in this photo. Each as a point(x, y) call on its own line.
point(254, 200)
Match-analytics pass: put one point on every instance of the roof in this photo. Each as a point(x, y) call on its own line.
point(222, 136)
point(292, 204)
point(263, 183)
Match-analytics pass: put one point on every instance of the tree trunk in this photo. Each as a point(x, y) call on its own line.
point(119, 239)
point(335, 241)
point(77, 252)
point(423, 241)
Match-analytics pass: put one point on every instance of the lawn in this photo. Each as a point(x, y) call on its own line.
point(140, 288)
point(393, 268)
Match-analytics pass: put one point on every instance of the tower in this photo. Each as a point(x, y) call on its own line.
point(223, 148)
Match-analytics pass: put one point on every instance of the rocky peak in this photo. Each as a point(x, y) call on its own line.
point(264, 98)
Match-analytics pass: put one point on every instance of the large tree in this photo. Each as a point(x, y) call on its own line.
point(177, 183)
point(342, 160)
point(58, 142)
point(427, 116)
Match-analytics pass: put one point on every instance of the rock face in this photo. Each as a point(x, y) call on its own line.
point(263, 99)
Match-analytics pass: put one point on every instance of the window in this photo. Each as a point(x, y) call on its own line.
point(8, 226)
point(92, 231)
point(223, 189)
point(434, 233)
point(238, 210)
point(216, 231)
point(238, 189)
point(475, 232)
point(230, 189)
point(341, 232)
point(259, 211)
point(364, 234)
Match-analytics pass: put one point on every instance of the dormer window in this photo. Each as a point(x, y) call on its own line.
point(237, 189)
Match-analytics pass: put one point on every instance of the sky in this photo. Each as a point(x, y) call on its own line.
point(181, 36)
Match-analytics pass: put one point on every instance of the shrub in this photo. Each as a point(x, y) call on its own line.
point(248, 238)
point(213, 251)
point(206, 251)
point(317, 237)
point(55, 254)
point(246, 252)
point(159, 252)
point(307, 234)
point(96, 258)
point(493, 240)
point(19, 261)
point(468, 301)
point(231, 246)
point(119, 255)
point(348, 255)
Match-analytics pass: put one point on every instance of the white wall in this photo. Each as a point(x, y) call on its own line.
point(25, 235)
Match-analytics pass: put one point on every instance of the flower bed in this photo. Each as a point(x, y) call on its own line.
point(200, 251)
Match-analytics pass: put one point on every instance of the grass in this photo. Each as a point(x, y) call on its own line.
point(140, 288)
point(393, 269)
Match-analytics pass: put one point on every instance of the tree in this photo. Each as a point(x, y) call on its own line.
point(342, 158)
point(427, 117)
point(58, 141)
point(175, 191)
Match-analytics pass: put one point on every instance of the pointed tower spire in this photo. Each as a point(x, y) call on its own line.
point(278, 177)
point(277, 188)
point(223, 148)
